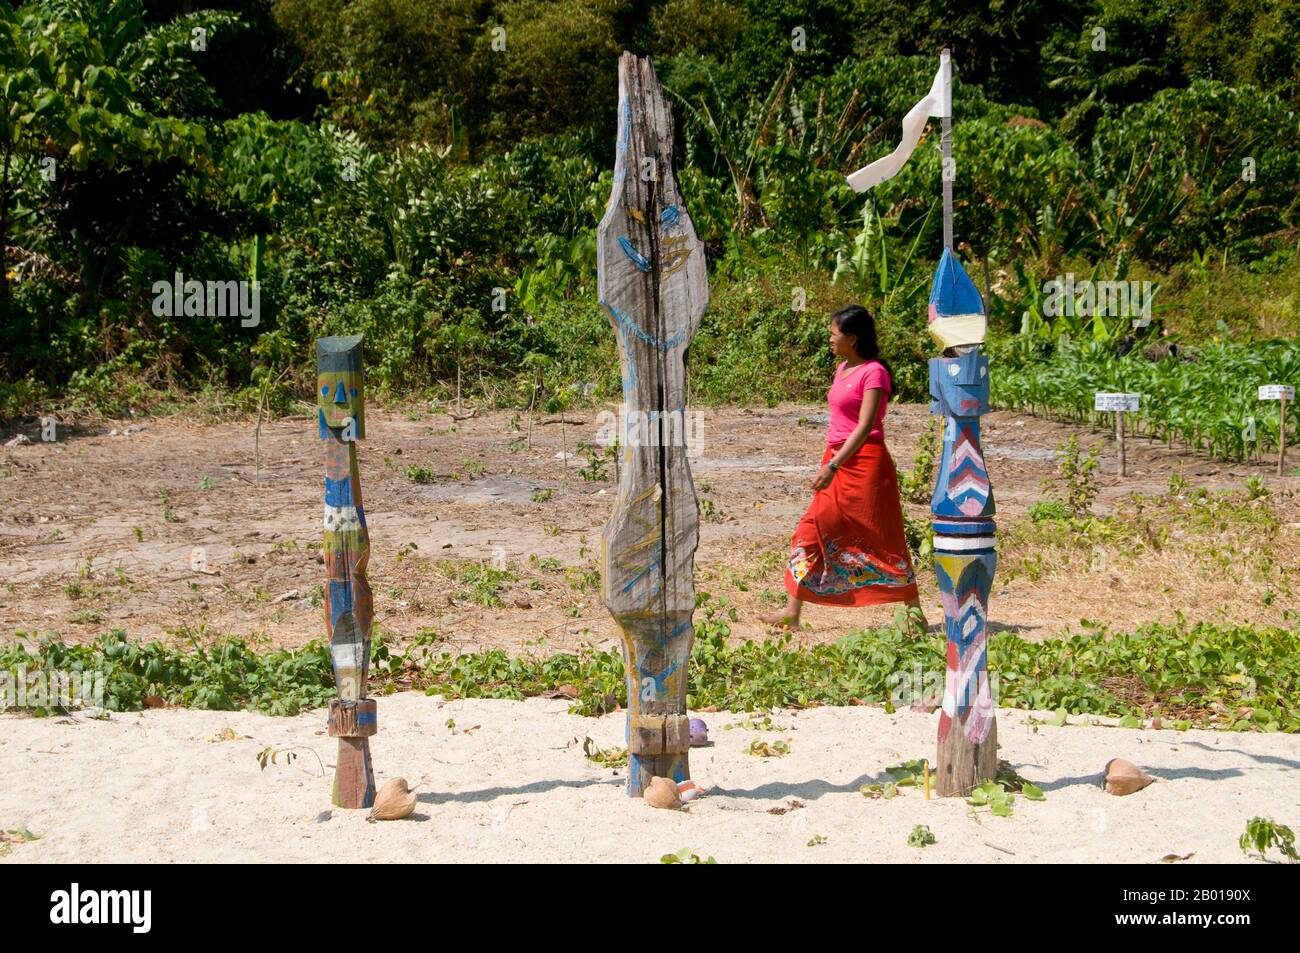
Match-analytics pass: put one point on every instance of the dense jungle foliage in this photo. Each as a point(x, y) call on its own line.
point(431, 174)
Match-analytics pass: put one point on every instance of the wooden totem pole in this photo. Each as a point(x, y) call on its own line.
point(653, 287)
point(962, 511)
point(962, 505)
point(349, 607)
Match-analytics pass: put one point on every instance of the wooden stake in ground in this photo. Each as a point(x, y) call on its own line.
point(1281, 393)
point(349, 607)
point(1281, 436)
point(1119, 404)
point(653, 287)
point(1119, 441)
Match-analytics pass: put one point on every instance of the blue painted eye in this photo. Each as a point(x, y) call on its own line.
point(325, 390)
point(354, 392)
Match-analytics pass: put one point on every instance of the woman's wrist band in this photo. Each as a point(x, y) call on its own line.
point(833, 466)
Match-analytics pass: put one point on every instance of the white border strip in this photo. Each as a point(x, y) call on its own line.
point(951, 544)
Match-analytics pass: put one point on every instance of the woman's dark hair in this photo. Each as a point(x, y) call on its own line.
point(858, 321)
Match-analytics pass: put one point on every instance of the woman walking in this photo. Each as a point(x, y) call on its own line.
point(849, 548)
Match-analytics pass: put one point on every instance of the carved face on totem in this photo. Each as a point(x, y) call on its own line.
point(340, 387)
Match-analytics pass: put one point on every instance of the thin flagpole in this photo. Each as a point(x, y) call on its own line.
point(945, 143)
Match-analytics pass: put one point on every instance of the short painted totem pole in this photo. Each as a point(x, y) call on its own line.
point(962, 511)
point(653, 287)
point(349, 607)
point(962, 505)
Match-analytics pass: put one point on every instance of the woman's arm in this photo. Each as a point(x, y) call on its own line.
point(866, 421)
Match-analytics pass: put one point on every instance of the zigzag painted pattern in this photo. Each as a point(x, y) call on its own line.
point(964, 583)
point(966, 696)
point(968, 480)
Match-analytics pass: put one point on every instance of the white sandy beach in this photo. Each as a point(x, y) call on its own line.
point(512, 784)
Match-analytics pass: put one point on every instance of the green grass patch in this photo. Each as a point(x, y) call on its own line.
point(478, 582)
point(1241, 678)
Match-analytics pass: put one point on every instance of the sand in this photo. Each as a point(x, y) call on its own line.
point(511, 783)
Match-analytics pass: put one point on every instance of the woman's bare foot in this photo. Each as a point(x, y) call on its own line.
point(788, 619)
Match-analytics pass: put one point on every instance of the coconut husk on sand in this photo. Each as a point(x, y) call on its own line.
point(1125, 777)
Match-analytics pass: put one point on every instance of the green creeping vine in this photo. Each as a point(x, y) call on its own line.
point(1236, 677)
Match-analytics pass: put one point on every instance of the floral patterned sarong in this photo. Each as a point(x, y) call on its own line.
point(849, 548)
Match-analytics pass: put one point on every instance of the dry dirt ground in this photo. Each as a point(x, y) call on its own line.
point(98, 530)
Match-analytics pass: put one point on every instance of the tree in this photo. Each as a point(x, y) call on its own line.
point(398, 71)
point(83, 111)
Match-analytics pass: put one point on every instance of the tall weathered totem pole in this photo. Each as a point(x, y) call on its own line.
point(962, 505)
point(349, 607)
point(653, 287)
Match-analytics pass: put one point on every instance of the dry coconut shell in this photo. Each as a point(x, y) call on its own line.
point(393, 802)
point(662, 792)
point(1125, 777)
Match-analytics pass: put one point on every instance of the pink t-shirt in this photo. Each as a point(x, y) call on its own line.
point(845, 400)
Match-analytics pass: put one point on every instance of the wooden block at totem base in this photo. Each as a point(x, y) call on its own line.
point(964, 766)
point(677, 733)
point(353, 720)
point(652, 284)
point(354, 779)
point(658, 734)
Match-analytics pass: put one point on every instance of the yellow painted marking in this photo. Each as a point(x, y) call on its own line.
point(676, 251)
point(656, 491)
point(954, 566)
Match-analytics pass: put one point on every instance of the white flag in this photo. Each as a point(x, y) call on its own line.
point(937, 102)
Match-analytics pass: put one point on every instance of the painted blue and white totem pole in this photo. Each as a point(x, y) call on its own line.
point(653, 287)
point(962, 506)
point(962, 511)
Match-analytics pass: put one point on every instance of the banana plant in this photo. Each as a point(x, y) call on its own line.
point(866, 262)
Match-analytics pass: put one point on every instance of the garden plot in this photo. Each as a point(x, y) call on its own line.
point(82, 556)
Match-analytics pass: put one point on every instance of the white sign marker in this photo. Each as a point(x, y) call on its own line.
point(1118, 402)
point(1282, 393)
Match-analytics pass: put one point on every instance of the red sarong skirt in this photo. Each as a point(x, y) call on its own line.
point(849, 548)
